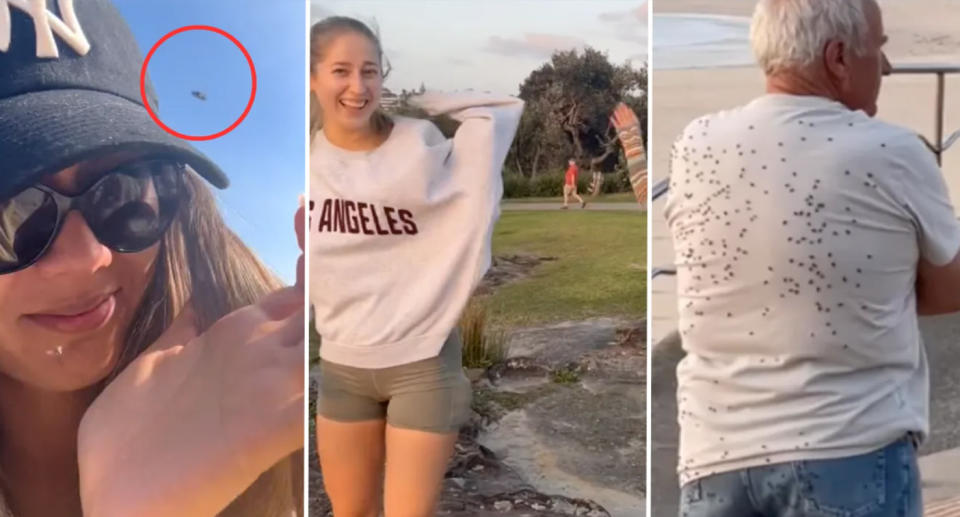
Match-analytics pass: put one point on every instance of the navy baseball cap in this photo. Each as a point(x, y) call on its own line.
point(70, 90)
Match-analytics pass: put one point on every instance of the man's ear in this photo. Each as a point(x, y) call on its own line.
point(835, 61)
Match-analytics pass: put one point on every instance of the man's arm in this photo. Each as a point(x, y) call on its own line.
point(925, 198)
point(628, 130)
point(938, 287)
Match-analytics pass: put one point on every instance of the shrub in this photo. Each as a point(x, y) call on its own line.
point(482, 346)
point(547, 185)
point(515, 185)
point(565, 376)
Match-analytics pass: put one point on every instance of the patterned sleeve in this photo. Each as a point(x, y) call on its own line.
point(632, 143)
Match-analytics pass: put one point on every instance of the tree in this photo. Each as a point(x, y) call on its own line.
point(447, 125)
point(568, 105)
point(537, 136)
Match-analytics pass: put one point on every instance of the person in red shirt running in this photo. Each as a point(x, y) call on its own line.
point(570, 185)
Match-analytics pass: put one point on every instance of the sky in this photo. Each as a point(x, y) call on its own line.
point(491, 45)
point(264, 156)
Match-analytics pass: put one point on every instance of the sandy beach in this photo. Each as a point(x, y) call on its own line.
point(920, 31)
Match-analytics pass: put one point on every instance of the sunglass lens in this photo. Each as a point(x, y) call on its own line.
point(28, 222)
point(129, 211)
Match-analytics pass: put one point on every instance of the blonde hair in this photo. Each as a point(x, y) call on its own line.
point(321, 34)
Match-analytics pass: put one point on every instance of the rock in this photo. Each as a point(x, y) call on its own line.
point(568, 343)
point(509, 268)
point(564, 507)
point(579, 439)
point(633, 336)
point(514, 366)
point(475, 374)
point(582, 438)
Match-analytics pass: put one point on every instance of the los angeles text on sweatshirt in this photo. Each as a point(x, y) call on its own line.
point(400, 235)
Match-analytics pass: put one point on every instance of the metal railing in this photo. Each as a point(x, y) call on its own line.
point(666, 270)
point(938, 146)
point(659, 189)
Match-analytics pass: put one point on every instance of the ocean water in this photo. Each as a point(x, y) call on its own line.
point(700, 41)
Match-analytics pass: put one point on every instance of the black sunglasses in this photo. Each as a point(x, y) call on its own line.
point(128, 209)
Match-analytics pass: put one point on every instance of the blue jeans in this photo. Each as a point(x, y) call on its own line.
point(882, 483)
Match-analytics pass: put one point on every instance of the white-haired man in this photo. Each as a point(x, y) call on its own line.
point(808, 237)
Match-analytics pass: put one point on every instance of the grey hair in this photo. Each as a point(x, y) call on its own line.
point(788, 34)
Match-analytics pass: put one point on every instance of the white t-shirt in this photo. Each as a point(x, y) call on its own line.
point(798, 225)
point(400, 235)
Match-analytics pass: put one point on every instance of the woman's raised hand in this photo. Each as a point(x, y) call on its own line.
point(196, 418)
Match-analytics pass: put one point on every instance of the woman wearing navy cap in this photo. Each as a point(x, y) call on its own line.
point(150, 365)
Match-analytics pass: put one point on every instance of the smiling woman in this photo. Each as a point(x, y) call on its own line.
point(150, 365)
point(357, 107)
point(393, 394)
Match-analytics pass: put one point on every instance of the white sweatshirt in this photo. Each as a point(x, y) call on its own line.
point(400, 236)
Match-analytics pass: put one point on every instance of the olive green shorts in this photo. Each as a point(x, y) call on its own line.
point(429, 395)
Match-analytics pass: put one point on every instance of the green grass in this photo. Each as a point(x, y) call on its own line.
point(565, 376)
point(620, 197)
point(600, 268)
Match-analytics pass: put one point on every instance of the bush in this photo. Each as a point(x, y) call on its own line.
point(515, 185)
point(547, 185)
point(617, 182)
point(482, 346)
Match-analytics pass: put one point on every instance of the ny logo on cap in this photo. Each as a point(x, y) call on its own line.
point(45, 23)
